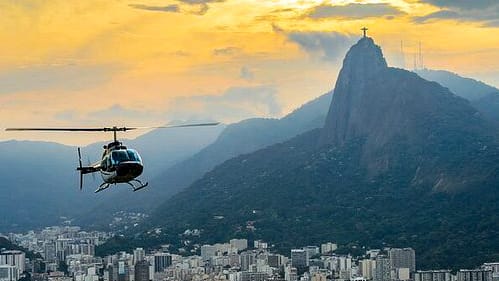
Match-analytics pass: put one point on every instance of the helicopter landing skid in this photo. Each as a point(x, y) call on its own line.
point(137, 187)
point(103, 186)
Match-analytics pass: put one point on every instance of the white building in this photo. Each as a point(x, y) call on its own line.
point(208, 251)
point(8, 273)
point(367, 268)
point(138, 255)
point(433, 275)
point(14, 258)
point(239, 244)
point(328, 247)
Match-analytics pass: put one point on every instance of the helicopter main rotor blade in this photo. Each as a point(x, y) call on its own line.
point(176, 126)
point(62, 129)
point(109, 129)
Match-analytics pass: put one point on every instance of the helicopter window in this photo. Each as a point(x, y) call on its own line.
point(133, 155)
point(119, 156)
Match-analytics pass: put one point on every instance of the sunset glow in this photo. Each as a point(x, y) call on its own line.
point(137, 62)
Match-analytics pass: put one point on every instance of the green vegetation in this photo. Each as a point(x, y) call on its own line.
point(6, 244)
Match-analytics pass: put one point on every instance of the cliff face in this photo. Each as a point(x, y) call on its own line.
point(384, 106)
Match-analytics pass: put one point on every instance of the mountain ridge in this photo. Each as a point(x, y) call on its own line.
point(395, 163)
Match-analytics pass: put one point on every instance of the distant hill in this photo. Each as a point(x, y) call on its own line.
point(245, 137)
point(401, 161)
point(39, 185)
point(239, 138)
point(7, 245)
point(483, 97)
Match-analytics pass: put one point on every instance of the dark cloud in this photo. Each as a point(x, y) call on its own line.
point(442, 14)
point(169, 8)
point(64, 77)
point(227, 51)
point(234, 104)
point(462, 4)
point(488, 15)
point(353, 11)
point(329, 46)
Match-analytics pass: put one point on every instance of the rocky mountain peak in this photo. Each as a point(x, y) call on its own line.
point(363, 60)
point(383, 106)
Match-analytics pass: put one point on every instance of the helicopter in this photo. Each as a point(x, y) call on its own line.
point(118, 164)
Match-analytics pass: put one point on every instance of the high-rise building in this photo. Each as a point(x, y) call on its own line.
point(328, 247)
point(142, 270)
point(253, 276)
point(290, 273)
point(8, 273)
point(275, 260)
point(162, 261)
point(208, 251)
point(433, 275)
point(259, 244)
point(239, 244)
point(247, 259)
point(299, 258)
point(474, 275)
point(138, 255)
point(403, 258)
point(312, 251)
point(49, 253)
point(14, 258)
point(401, 274)
point(367, 268)
point(494, 266)
point(123, 272)
point(383, 269)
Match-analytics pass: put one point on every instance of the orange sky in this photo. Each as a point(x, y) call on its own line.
point(107, 62)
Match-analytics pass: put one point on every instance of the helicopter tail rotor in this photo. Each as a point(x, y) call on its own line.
point(80, 168)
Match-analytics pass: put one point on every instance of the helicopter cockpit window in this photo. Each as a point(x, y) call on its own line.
point(133, 155)
point(119, 156)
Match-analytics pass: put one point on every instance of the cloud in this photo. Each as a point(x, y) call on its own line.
point(236, 103)
point(64, 77)
point(353, 11)
point(246, 73)
point(227, 51)
point(462, 4)
point(328, 46)
point(194, 2)
point(485, 12)
point(116, 111)
point(169, 8)
point(196, 7)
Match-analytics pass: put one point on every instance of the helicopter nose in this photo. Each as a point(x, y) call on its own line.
point(132, 169)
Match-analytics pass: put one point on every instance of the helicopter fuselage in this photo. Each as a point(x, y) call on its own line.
point(120, 164)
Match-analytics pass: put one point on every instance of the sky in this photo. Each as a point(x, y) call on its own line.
point(148, 63)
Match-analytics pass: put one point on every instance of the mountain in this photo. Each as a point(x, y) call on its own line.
point(483, 97)
point(401, 161)
point(39, 184)
point(239, 138)
point(245, 137)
